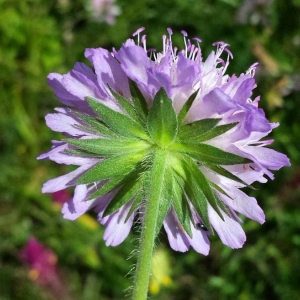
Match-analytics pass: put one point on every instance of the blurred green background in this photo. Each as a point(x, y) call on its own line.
point(42, 36)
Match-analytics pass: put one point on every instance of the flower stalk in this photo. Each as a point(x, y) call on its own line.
point(148, 234)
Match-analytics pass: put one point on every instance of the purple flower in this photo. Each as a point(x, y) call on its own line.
point(135, 101)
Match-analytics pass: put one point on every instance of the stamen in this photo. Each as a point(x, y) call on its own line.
point(199, 49)
point(185, 44)
point(170, 32)
point(143, 41)
point(252, 69)
point(152, 53)
point(138, 34)
point(164, 44)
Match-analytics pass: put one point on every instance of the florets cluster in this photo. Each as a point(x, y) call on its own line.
point(136, 104)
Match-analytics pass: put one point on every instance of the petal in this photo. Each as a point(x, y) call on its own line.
point(199, 240)
point(269, 158)
point(55, 81)
point(64, 123)
point(230, 231)
point(77, 206)
point(57, 154)
point(108, 71)
point(62, 182)
point(80, 85)
point(117, 229)
point(176, 235)
point(213, 105)
point(243, 204)
point(137, 66)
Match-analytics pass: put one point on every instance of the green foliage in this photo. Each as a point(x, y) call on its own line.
point(38, 37)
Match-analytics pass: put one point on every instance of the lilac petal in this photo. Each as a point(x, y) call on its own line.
point(55, 81)
point(57, 154)
point(213, 105)
point(199, 240)
point(243, 204)
point(176, 235)
point(79, 85)
point(79, 205)
point(117, 229)
point(230, 231)
point(239, 89)
point(245, 173)
point(62, 182)
point(86, 71)
point(137, 66)
point(63, 123)
point(268, 158)
point(108, 71)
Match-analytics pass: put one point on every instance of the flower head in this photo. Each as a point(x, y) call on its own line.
point(137, 104)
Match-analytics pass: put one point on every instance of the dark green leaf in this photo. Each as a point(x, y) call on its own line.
point(127, 106)
point(137, 202)
point(119, 123)
point(208, 154)
point(216, 132)
point(128, 190)
point(108, 147)
point(198, 199)
point(96, 125)
point(203, 184)
point(107, 187)
point(181, 206)
point(139, 101)
point(162, 121)
point(186, 107)
point(165, 201)
point(193, 131)
point(119, 165)
point(77, 152)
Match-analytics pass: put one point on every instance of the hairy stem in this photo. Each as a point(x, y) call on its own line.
point(154, 193)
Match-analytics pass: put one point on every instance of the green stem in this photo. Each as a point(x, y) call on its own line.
point(148, 233)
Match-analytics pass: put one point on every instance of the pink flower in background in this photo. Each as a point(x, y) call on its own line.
point(104, 11)
point(44, 271)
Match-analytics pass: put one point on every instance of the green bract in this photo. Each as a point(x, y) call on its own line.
point(139, 142)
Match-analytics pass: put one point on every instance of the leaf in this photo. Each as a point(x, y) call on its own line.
point(135, 204)
point(119, 165)
point(165, 201)
point(119, 123)
point(127, 106)
point(186, 107)
point(193, 131)
point(77, 152)
point(203, 184)
point(139, 101)
point(197, 198)
point(108, 147)
point(96, 125)
point(181, 206)
point(208, 154)
point(107, 187)
point(162, 121)
point(216, 132)
point(128, 190)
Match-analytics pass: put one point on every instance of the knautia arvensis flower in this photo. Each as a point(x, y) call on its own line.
point(171, 126)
